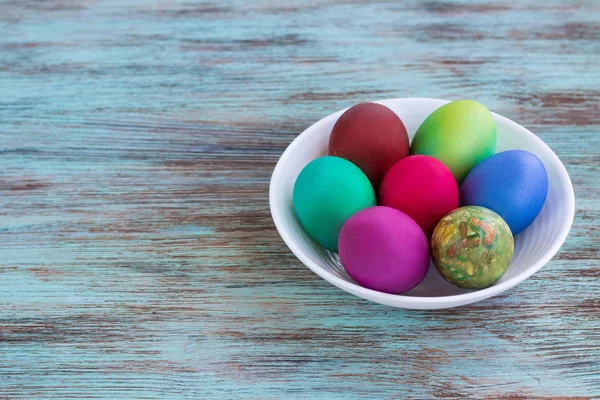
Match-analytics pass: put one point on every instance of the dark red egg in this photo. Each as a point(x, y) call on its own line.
point(371, 136)
point(422, 187)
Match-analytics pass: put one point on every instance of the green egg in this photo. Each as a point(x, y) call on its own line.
point(472, 247)
point(327, 192)
point(460, 134)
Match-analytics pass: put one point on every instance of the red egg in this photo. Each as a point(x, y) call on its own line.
point(421, 187)
point(371, 136)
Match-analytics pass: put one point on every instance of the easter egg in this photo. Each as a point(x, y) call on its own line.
point(460, 134)
point(422, 187)
point(472, 247)
point(512, 183)
point(371, 136)
point(383, 249)
point(326, 193)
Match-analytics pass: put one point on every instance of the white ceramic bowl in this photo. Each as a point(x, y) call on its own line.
point(534, 247)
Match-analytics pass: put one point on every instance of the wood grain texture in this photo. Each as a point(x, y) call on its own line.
point(138, 258)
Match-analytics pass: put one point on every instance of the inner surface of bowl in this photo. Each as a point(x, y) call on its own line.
point(533, 247)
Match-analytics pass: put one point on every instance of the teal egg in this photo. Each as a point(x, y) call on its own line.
point(327, 192)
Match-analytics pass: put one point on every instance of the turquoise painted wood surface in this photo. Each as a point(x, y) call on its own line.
point(137, 254)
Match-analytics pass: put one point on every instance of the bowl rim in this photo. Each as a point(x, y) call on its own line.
point(391, 299)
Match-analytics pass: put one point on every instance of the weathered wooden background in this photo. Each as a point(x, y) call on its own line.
point(137, 254)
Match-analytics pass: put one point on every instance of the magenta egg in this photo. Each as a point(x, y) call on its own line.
point(383, 249)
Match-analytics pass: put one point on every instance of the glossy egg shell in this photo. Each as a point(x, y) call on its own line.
point(512, 183)
point(326, 193)
point(460, 134)
point(422, 187)
point(371, 136)
point(383, 249)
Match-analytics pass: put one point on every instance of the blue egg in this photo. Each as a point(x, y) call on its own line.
point(512, 183)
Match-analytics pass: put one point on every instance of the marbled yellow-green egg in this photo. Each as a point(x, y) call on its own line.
point(460, 134)
point(472, 247)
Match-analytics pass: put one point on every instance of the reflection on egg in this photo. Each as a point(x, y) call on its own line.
point(512, 183)
point(460, 134)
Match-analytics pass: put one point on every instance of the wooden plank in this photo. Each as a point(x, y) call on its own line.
point(138, 257)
